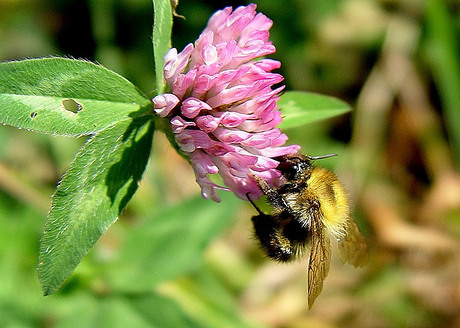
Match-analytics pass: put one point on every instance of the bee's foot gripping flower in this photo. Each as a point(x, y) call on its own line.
point(222, 107)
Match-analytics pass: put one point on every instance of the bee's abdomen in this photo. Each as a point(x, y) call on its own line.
point(281, 239)
point(268, 231)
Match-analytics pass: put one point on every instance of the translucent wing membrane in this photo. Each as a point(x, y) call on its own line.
point(320, 260)
point(352, 246)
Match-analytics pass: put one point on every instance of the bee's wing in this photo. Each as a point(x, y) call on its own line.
point(352, 246)
point(320, 259)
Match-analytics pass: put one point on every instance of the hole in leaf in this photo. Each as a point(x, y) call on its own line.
point(33, 115)
point(71, 105)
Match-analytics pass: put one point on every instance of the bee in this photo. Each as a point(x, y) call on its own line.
point(311, 206)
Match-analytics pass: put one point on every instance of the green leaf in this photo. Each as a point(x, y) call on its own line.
point(171, 243)
point(65, 96)
point(115, 310)
point(299, 108)
point(161, 37)
point(99, 183)
point(444, 57)
point(167, 312)
point(206, 298)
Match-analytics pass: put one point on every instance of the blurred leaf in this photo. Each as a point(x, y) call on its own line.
point(103, 312)
point(114, 311)
point(64, 96)
point(166, 314)
point(452, 219)
point(443, 50)
point(299, 108)
point(171, 243)
point(207, 300)
point(161, 38)
point(99, 183)
point(19, 232)
point(12, 316)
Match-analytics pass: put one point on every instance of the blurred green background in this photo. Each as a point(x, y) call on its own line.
point(175, 260)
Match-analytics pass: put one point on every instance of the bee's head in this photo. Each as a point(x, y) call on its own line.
point(292, 167)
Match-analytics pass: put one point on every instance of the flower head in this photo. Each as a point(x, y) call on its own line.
point(222, 107)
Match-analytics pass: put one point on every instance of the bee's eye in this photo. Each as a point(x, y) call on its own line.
point(289, 170)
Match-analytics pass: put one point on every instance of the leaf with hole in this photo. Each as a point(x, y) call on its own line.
point(65, 96)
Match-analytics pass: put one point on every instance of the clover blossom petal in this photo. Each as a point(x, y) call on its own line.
point(223, 104)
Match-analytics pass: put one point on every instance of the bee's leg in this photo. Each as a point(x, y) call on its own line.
point(263, 185)
point(254, 204)
point(274, 197)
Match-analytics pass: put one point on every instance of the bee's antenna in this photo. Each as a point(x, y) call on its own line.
point(253, 204)
point(314, 158)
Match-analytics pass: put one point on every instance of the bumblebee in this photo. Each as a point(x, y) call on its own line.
point(311, 206)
